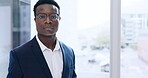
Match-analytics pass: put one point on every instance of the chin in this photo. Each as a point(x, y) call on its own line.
point(48, 35)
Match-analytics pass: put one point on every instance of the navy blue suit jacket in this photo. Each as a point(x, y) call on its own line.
point(27, 61)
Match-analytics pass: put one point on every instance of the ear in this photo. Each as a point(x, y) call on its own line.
point(35, 19)
point(59, 18)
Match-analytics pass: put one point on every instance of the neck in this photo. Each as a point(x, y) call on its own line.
point(48, 41)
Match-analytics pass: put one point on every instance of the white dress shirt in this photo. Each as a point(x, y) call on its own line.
point(53, 58)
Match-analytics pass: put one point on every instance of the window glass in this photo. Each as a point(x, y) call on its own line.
point(134, 51)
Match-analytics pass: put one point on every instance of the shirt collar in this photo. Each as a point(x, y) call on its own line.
point(43, 47)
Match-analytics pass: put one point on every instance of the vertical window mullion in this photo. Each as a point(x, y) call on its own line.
point(115, 22)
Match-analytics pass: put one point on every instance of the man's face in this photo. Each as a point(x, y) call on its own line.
point(47, 19)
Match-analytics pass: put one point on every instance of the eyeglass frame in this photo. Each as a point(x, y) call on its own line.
point(48, 15)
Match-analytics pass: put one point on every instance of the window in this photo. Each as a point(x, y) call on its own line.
point(134, 56)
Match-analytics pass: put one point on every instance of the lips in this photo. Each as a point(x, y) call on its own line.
point(48, 28)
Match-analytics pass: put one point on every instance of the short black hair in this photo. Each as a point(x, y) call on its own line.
point(53, 2)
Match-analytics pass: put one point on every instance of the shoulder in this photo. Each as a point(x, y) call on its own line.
point(66, 49)
point(24, 47)
point(64, 46)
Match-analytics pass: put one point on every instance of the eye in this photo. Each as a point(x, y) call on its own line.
point(53, 16)
point(42, 17)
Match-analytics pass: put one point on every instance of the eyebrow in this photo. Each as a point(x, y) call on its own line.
point(48, 14)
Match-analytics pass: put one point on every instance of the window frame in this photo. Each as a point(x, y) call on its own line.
point(115, 28)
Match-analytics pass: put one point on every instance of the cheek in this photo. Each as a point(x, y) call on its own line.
point(57, 23)
point(39, 27)
point(38, 24)
point(57, 26)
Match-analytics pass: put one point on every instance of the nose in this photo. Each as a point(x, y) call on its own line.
point(48, 21)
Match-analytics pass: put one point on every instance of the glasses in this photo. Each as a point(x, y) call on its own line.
point(52, 17)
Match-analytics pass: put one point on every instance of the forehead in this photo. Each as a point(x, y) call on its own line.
point(46, 8)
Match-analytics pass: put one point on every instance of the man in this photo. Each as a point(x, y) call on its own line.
point(44, 56)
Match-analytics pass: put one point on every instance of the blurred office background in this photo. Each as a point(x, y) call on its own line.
point(14, 27)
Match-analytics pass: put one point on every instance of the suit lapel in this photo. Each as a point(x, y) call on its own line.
point(64, 60)
point(40, 57)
